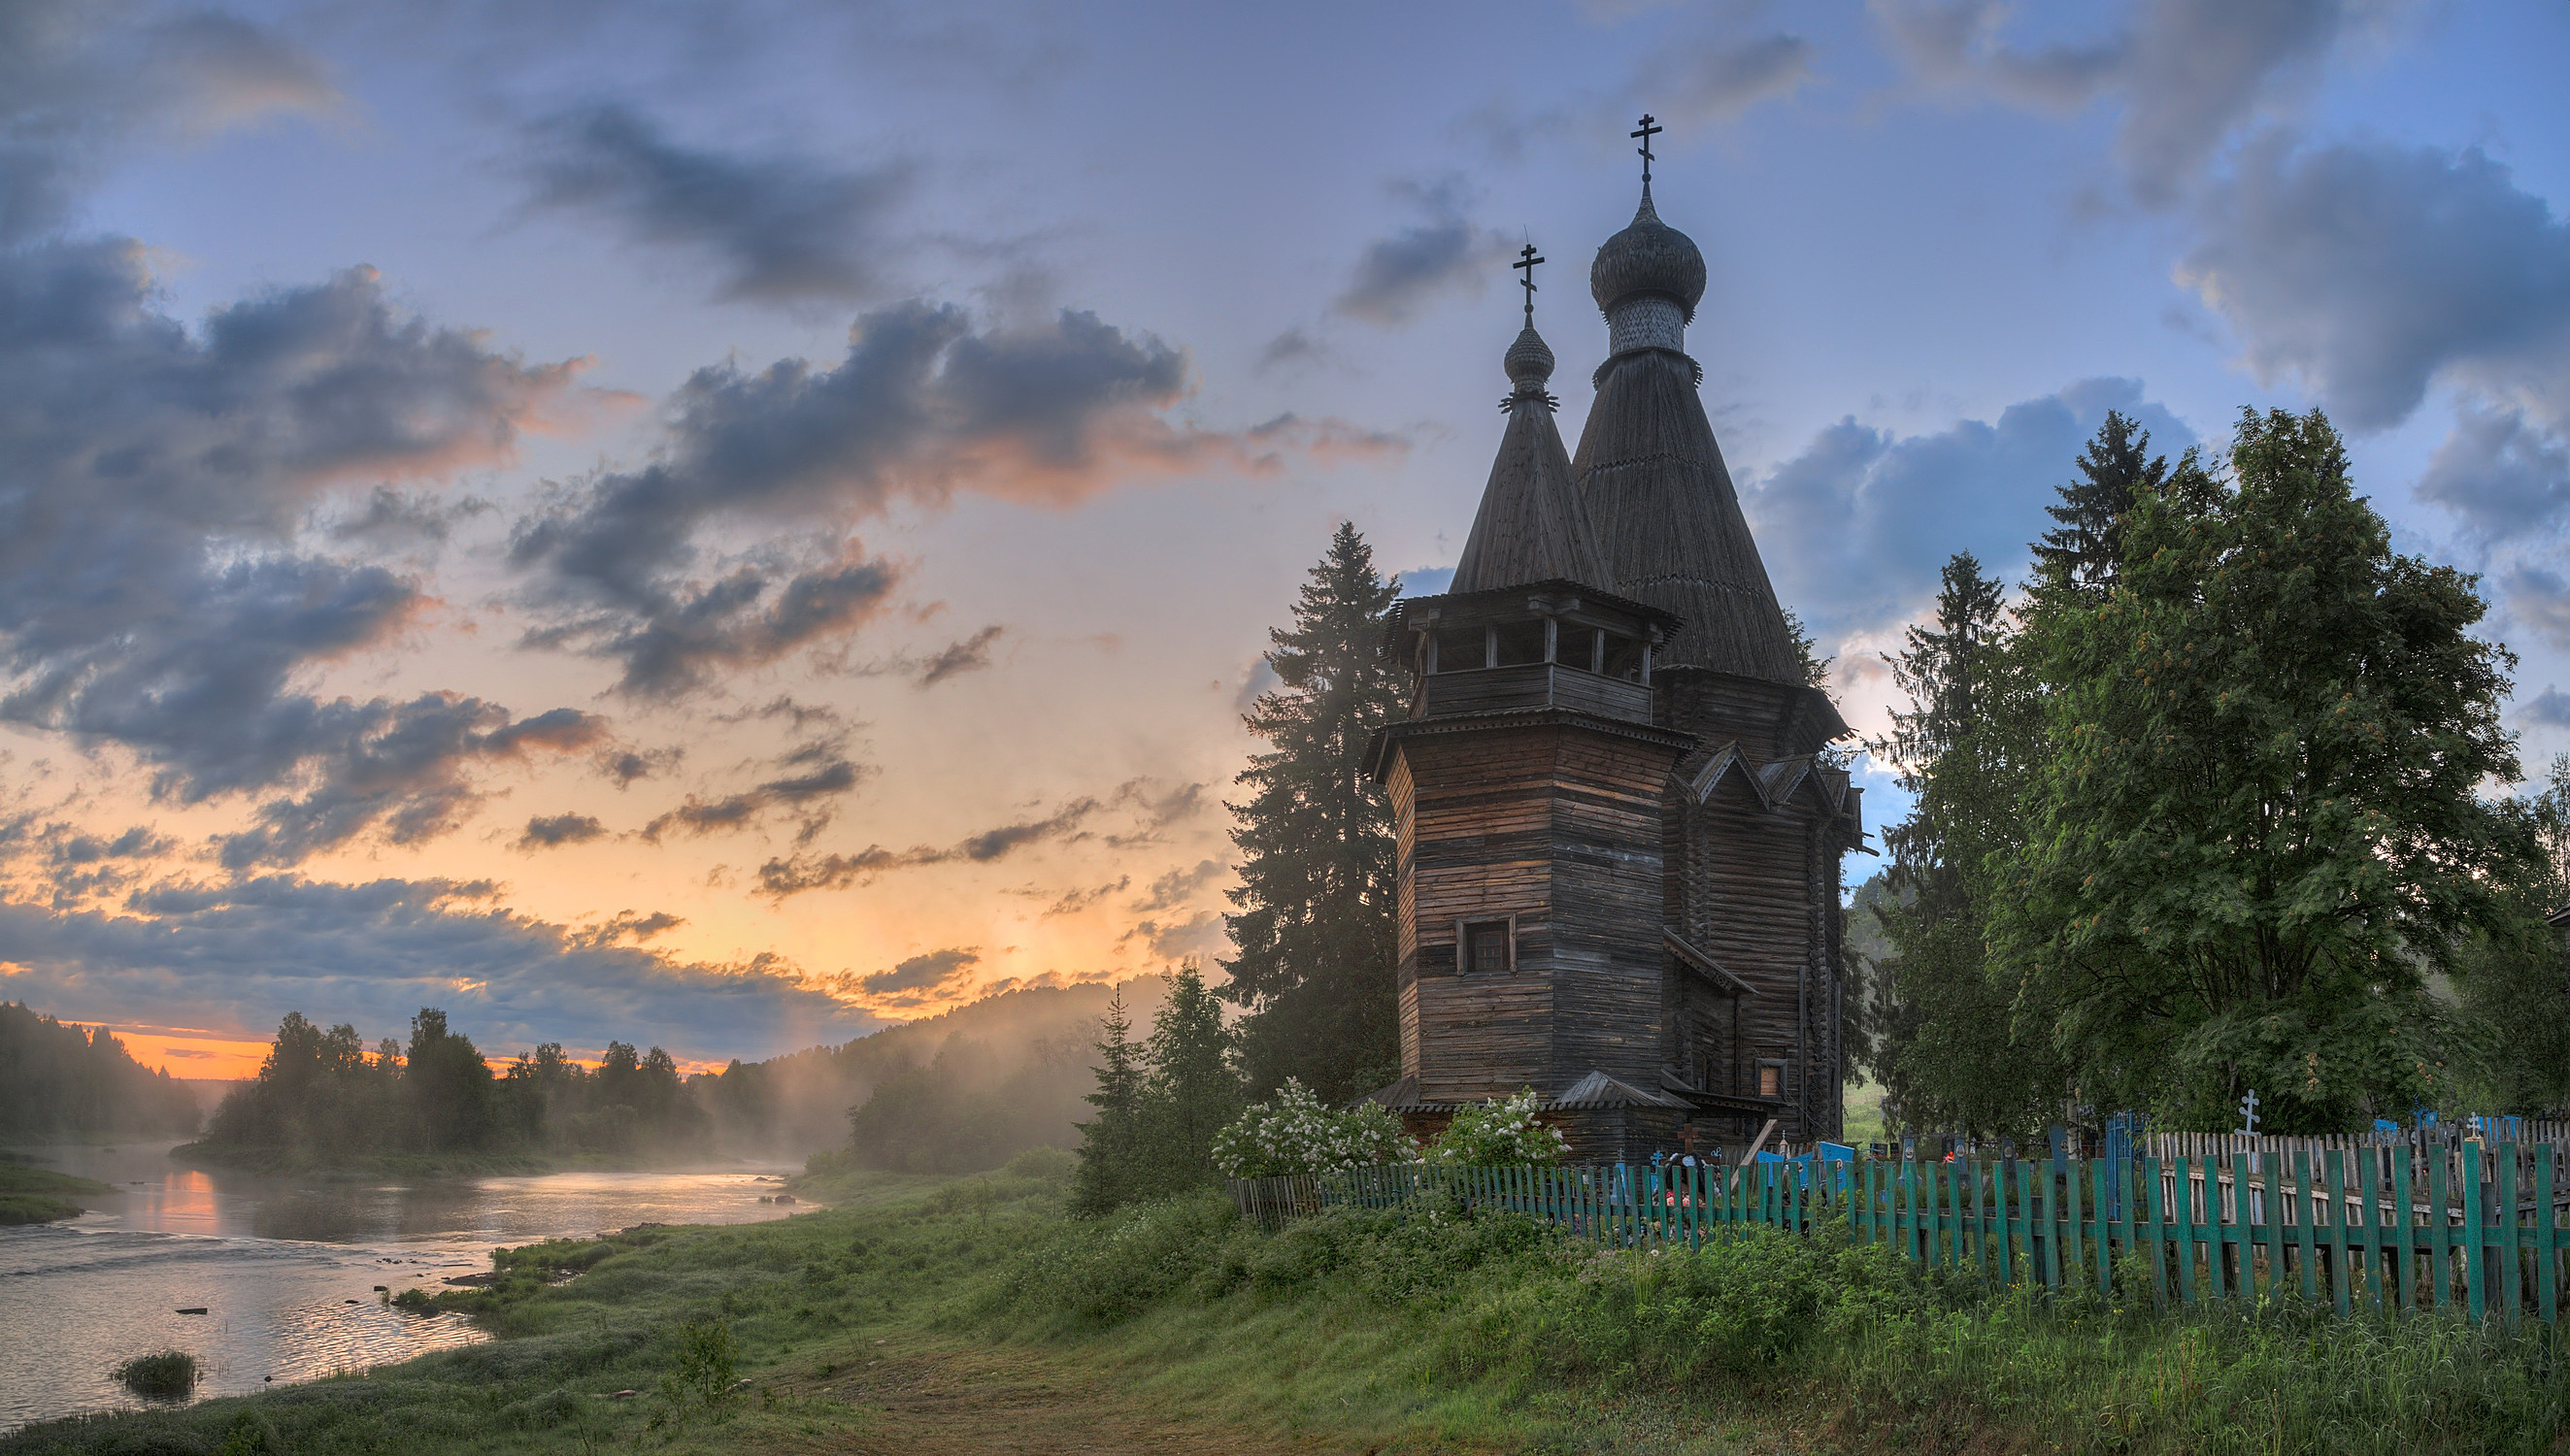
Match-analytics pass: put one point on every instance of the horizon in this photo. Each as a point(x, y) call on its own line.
point(735, 546)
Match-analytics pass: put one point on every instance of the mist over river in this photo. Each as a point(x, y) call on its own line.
point(285, 1268)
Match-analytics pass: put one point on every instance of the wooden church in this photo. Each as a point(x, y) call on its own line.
point(1619, 833)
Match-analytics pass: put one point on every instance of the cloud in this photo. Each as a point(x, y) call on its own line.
point(971, 655)
point(811, 775)
point(153, 593)
point(1445, 251)
point(780, 227)
point(1176, 887)
point(2539, 599)
point(627, 925)
point(1709, 81)
point(2368, 271)
point(1200, 935)
point(2548, 710)
point(240, 956)
point(80, 80)
point(934, 970)
point(2187, 74)
point(922, 405)
point(1855, 528)
point(1292, 347)
point(779, 878)
point(1072, 902)
point(547, 831)
point(2502, 473)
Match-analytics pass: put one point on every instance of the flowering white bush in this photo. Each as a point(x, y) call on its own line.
point(1500, 1135)
point(1296, 1134)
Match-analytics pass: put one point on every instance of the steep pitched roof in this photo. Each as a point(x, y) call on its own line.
point(1529, 527)
point(1653, 486)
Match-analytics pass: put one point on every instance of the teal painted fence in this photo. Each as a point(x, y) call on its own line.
point(2478, 1231)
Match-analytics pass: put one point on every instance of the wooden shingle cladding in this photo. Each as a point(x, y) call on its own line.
point(1549, 820)
point(1759, 824)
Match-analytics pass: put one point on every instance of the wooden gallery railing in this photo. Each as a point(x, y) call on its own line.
point(2478, 1231)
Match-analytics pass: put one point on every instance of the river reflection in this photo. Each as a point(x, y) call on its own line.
point(285, 1268)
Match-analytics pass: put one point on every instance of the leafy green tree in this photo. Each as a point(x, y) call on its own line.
point(2514, 980)
point(2254, 828)
point(1110, 1144)
point(1315, 921)
point(449, 1087)
point(1938, 1030)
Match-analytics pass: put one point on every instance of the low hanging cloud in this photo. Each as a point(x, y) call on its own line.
point(240, 956)
point(153, 597)
point(1445, 251)
point(780, 227)
point(2187, 75)
point(923, 405)
point(935, 971)
point(1855, 529)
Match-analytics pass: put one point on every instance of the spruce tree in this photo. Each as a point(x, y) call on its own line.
point(2256, 826)
point(1937, 1032)
point(2116, 469)
point(2514, 978)
point(1193, 1090)
point(1315, 920)
point(1110, 1144)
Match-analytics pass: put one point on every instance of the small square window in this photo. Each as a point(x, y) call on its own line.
point(1770, 1079)
point(1485, 947)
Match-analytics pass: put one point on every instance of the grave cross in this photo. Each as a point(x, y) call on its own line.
point(2248, 1114)
point(1525, 262)
point(1646, 134)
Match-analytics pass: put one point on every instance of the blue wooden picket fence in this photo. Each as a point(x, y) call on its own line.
point(2482, 1230)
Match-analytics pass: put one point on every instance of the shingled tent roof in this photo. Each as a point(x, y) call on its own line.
point(1668, 524)
point(1529, 527)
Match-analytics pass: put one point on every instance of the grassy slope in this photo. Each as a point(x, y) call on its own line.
point(974, 1318)
point(31, 1194)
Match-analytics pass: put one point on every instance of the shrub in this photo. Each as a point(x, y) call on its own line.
point(709, 1361)
point(167, 1374)
point(1044, 1160)
point(1294, 1133)
point(1500, 1135)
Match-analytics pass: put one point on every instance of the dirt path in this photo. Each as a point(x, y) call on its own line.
point(1006, 1402)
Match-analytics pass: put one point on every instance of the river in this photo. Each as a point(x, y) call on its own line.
point(285, 1268)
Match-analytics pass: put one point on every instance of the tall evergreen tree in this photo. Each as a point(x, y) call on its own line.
point(1193, 1088)
point(2116, 469)
point(2255, 827)
point(1315, 921)
point(1937, 1031)
point(1110, 1143)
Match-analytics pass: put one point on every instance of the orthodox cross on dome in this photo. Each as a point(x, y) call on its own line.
point(1525, 262)
point(1646, 134)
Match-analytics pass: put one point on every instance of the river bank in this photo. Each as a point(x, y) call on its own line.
point(30, 1194)
point(971, 1315)
point(509, 1163)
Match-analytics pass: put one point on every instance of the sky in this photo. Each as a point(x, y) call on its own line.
point(722, 527)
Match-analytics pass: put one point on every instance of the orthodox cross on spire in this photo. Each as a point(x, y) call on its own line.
point(1646, 134)
point(1525, 262)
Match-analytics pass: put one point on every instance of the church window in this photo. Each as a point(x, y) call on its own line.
point(1519, 643)
point(1770, 1079)
point(1461, 650)
point(1623, 657)
point(1486, 947)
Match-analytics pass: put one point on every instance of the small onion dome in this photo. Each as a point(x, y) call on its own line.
point(1529, 362)
point(1650, 257)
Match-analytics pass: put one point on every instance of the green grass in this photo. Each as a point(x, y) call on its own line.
point(971, 1314)
point(33, 1194)
point(169, 1374)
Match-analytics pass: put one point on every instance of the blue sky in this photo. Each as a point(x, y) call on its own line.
point(717, 527)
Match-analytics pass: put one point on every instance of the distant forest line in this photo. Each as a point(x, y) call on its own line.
point(957, 1092)
point(60, 1080)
